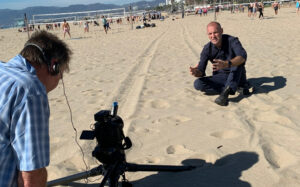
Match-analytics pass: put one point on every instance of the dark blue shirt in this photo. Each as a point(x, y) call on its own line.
point(231, 47)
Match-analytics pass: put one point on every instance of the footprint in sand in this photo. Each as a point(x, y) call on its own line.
point(190, 92)
point(177, 149)
point(272, 117)
point(152, 92)
point(277, 156)
point(179, 118)
point(277, 73)
point(159, 104)
point(259, 106)
point(153, 160)
point(227, 134)
point(57, 100)
point(172, 120)
point(138, 129)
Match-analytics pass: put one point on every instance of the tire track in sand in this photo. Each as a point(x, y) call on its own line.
point(188, 40)
point(128, 94)
point(273, 151)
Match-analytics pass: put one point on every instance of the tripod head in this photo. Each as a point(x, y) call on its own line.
point(108, 131)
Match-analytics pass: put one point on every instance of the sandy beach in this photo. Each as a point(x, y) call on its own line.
point(255, 141)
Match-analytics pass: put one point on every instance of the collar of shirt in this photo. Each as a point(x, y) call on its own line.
point(21, 63)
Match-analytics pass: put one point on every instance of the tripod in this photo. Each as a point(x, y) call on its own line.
point(113, 172)
point(110, 151)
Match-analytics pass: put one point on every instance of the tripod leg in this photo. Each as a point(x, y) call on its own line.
point(142, 167)
point(112, 175)
point(83, 175)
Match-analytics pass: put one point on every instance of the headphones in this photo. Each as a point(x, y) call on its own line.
point(54, 70)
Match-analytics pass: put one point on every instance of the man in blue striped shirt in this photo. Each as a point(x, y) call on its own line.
point(25, 81)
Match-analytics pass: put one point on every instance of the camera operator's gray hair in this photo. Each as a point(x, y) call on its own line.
point(52, 46)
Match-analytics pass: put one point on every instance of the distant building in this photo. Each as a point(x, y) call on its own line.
point(161, 4)
point(168, 2)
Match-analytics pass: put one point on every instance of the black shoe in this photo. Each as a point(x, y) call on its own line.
point(244, 89)
point(223, 98)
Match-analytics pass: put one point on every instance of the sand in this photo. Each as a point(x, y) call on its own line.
point(252, 142)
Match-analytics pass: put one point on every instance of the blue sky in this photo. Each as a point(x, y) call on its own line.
point(20, 4)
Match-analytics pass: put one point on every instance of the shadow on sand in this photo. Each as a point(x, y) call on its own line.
point(269, 17)
point(262, 85)
point(79, 38)
point(225, 172)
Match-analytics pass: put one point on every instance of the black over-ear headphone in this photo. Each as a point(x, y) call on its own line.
point(54, 70)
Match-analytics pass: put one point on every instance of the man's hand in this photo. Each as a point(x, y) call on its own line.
point(219, 64)
point(195, 71)
point(35, 178)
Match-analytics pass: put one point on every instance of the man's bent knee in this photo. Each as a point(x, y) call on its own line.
point(199, 85)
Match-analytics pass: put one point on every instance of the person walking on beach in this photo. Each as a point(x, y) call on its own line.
point(260, 10)
point(249, 9)
point(66, 28)
point(228, 58)
point(26, 80)
point(276, 6)
point(108, 23)
point(104, 23)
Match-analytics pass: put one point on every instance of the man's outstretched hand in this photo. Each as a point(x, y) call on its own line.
point(219, 64)
point(195, 71)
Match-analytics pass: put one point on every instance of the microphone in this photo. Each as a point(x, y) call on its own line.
point(114, 109)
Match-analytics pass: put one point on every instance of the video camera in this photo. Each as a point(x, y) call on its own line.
point(110, 151)
point(108, 131)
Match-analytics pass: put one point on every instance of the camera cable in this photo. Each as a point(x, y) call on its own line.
point(75, 130)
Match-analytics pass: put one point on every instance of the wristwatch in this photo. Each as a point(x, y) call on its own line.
point(229, 63)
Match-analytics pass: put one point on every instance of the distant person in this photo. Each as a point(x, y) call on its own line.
point(297, 6)
point(108, 23)
point(66, 28)
point(260, 10)
point(200, 11)
point(242, 9)
point(96, 23)
point(26, 80)
point(86, 26)
point(276, 6)
point(104, 23)
point(144, 18)
point(217, 10)
point(231, 9)
point(228, 57)
point(205, 11)
point(249, 9)
point(254, 9)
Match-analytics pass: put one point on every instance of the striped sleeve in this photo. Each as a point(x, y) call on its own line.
point(31, 133)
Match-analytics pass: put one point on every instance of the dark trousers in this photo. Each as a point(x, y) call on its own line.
point(234, 78)
point(261, 14)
